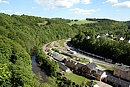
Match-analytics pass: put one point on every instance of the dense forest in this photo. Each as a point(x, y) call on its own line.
point(104, 40)
point(22, 36)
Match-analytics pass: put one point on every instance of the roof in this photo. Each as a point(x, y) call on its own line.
point(99, 72)
point(122, 67)
point(79, 65)
point(71, 60)
point(118, 81)
point(62, 66)
point(91, 66)
point(58, 58)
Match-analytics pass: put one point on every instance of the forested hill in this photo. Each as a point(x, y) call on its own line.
point(22, 35)
point(104, 39)
point(128, 23)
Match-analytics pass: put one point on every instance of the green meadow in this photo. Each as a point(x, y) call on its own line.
point(81, 22)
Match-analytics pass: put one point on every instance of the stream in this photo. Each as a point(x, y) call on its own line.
point(36, 69)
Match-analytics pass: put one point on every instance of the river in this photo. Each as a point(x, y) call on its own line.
point(36, 69)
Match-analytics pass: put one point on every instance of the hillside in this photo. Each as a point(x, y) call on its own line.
point(22, 36)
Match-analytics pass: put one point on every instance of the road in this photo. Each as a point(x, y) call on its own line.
point(98, 61)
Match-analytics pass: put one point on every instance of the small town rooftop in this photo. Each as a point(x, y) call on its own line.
point(122, 67)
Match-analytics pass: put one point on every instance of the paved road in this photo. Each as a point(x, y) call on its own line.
point(99, 61)
point(102, 84)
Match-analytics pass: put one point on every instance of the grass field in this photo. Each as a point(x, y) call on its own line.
point(81, 22)
point(61, 43)
point(76, 78)
point(83, 60)
point(107, 68)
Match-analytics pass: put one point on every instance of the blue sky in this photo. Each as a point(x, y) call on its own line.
point(70, 9)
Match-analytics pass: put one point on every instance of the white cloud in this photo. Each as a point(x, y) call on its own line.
point(86, 1)
point(4, 1)
point(60, 3)
point(125, 4)
point(111, 1)
point(116, 3)
point(34, 7)
point(57, 3)
point(18, 13)
point(83, 11)
point(21, 13)
point(5, 11)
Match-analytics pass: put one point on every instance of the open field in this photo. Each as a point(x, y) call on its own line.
point(81, 22)
point(76, 78)
point(61, 42)
point(106, 67)
point(83, 60)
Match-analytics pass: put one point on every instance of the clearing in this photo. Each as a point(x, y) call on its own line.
point(76, 78)
point(79, 22)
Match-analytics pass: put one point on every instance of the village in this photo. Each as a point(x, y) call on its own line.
point(120, 77)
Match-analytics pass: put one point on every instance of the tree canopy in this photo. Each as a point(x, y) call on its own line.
point(21, 36)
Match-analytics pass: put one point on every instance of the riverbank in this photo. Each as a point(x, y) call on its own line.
point(38, 71)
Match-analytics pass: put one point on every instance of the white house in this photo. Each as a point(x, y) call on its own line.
point(121, 38)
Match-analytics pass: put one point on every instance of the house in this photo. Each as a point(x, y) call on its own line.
point(88, 69)
point(98, 36)
point(91, 71)
point(128, 41)
point(88, 37)
point(70, 63)
point(63, 67)
point(107, 34)
point(100, 75)
point(121, 38)
point(78, 68)
point(122, 71)
point(121, 76)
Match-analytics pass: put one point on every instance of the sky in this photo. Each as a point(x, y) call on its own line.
point(69, 9)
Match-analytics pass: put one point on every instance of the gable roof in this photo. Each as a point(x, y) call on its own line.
point(79, 65)
point(91, 66)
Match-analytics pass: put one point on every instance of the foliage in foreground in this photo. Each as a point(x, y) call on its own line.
point(50, 66)
point(15, 65)
point(20, 36)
